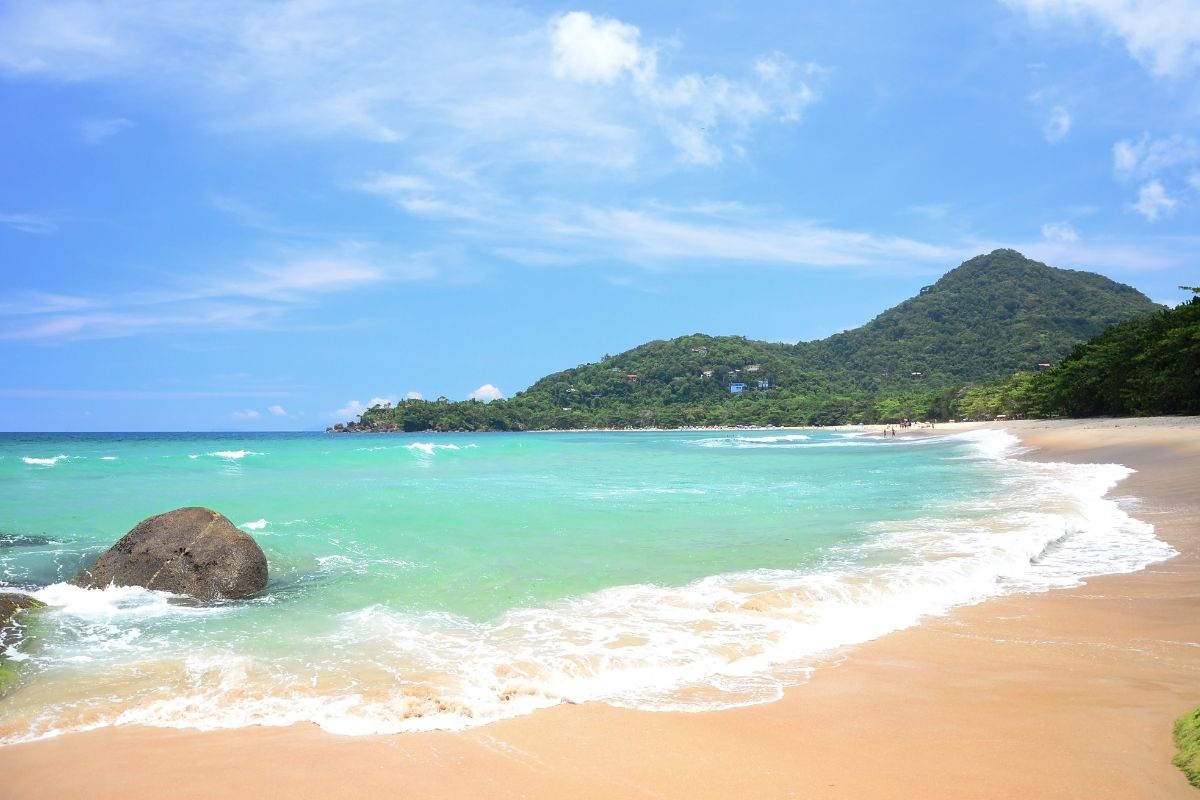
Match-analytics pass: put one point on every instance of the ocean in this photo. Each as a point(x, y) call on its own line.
point(443, 581)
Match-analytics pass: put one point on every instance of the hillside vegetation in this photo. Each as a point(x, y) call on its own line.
point(991, 316)
point(1145, 366)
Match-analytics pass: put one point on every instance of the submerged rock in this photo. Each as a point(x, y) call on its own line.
point(10, 604)
point(192, 551)
point(11, 633)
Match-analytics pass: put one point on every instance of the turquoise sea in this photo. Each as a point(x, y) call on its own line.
point(424, 581)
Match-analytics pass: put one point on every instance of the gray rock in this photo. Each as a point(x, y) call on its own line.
point(191, 551)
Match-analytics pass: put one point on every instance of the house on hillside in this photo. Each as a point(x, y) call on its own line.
point(736, 388)
point(753, 367)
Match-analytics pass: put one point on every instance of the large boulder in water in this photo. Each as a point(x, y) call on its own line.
point(193, 551)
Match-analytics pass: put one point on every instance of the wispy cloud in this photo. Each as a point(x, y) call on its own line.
point(258, 296)
point(645, 237)
point(276, 411)
point(130, 394)
point(1148, 157)
point(1058, 124)
point(28, 223)
point(1162, 35)
point(1106, 253)
point(247, 414)
point(574, 89)
point(94, 131)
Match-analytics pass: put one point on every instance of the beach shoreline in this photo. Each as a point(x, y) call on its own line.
point(1069, 693)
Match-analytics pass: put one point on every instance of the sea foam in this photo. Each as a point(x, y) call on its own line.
point(44, 462)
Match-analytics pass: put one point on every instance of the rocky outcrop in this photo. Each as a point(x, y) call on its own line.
point(366, 426)
point(192, 551)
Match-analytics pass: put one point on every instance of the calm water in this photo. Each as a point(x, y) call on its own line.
point(422, 581)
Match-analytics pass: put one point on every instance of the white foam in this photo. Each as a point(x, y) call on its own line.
point(429, 448)
point(752, 441)
point(257, 525)
point(235, 454)
point(108, 458)
point(109, 601)
point(44, 462)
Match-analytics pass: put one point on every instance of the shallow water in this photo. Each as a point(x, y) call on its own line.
point(442, 581)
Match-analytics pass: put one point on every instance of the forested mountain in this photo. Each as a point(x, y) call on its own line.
point(987, 318)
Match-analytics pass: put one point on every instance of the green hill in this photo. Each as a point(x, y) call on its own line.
point(991, 316)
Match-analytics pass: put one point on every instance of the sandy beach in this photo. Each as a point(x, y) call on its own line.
point(1066, 694)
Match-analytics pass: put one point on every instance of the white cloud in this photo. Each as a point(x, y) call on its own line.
point(353, 408)
point(643, 237)
point(1153, 201)
point(1149, 157)
point(259, 296)
point(249, 413)
point(575, 90)
point(595, 49)
point(414, 396)
point(1058, 125)
point(486, 393)
point(419, 196)
point(1163, 35)
point(94, 131)
point(27, 223)
point(1059, 232)
point(1103, 253)
point(277, 411)
point(1194, 181)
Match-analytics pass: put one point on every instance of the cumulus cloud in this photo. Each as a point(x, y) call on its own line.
point(1059, 232)
point(277, 411)
point(414, 396)
point(1153, 201)
point(595, 49)
point(690, 109)
point(1162, 35)
point(486, 393)
point(248, 414)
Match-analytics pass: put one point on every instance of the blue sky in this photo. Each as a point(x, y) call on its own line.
point(237, 216)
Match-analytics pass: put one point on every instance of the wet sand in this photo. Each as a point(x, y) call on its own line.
point(1067, 694)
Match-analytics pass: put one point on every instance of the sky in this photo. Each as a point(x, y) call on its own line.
point(225, 215)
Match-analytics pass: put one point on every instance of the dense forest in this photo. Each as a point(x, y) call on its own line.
point(1149, 365)
point(981, 340)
